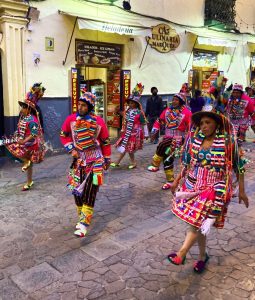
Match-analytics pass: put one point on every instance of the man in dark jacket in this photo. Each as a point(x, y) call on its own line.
point(154, 108)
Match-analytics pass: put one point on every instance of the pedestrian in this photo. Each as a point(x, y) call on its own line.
point(134, 129)
point(154, 108)
point(85, 136)
point(197, 102)
point(210, 156)
point(27, 143)
point(240, 109)
point(176, 120)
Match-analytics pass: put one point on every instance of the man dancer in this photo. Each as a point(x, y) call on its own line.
point(176, 120)
point(239, 108)
point(85, 136)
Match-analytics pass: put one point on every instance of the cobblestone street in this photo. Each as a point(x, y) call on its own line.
point(124, 254)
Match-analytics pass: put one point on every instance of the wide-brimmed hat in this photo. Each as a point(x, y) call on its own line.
point(181, 97)
point(89, 99)
point(237, 87)
point(28, 102)
point(209, 111)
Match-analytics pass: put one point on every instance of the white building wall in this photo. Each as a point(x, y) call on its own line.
point(167, 71)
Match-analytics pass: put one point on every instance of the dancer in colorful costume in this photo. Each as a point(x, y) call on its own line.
point(251, 94)
point(35, 94)
point(134, 128)
point(239, 109)
point(85, 136)
point(176, 120)
point(27, 143)
point(210, 156)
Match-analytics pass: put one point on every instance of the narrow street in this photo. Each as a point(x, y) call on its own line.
point(124, 254)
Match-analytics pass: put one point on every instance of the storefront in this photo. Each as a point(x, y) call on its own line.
point(204, 70)
point(80, 44)
point(99, 71)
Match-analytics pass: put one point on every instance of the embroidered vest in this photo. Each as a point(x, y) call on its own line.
point(174, 117)
point(85, 130)
point(216, 157)
point(22, 126)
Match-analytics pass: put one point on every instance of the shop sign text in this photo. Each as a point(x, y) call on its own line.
point(163, 38)
point(74, 90)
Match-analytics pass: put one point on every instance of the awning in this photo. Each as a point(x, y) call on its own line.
point(216, 42)
point(113, 27)
point(109, 19)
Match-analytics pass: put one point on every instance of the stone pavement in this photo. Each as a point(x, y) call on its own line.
point(124, 254)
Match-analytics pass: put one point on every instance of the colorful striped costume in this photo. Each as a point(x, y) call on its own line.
point(88, 135)
point(239, 111)
point(207, 180)
point(132, 135)
point(33, 150)
point(176, 122)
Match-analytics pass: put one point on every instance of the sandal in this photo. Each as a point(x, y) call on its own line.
point(27, 186)
point(176, 260)
point(132, 167)
point(153, 169)
point(26, 166)
point(167, 186)
point(114, 165)
point(199, 266)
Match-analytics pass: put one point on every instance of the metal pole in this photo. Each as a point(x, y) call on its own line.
point(190, 55)
point(64, 61)
point(144, 53)
point(231, 59)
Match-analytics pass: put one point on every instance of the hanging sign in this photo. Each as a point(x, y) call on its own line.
point(163, 38)
point(97, 54)
point(126, 83)
point(74, 90)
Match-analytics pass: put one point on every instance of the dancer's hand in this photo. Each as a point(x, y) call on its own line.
point(206, 226)
point(243, 197)
point(174, 186)
point(75, 154)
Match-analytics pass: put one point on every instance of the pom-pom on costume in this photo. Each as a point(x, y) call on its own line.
point(206, 187)
point(239, 111)
point(134, 125)
point(176, 122)
point(88, 135)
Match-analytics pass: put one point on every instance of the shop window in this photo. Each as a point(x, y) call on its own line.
point(204, 70)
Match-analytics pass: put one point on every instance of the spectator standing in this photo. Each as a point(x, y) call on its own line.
point(197, 102)
point(154, 108)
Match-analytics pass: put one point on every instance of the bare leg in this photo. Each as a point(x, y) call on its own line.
point(132, 158)
point(201, 239)
point(29, 175)
point(120, 158)
point(190, 239)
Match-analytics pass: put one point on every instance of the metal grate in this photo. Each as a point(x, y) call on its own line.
point(222, 11)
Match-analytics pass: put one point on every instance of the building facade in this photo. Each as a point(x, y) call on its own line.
point(73, 44)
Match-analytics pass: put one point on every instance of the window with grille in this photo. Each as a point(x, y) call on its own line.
point(220, 12)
